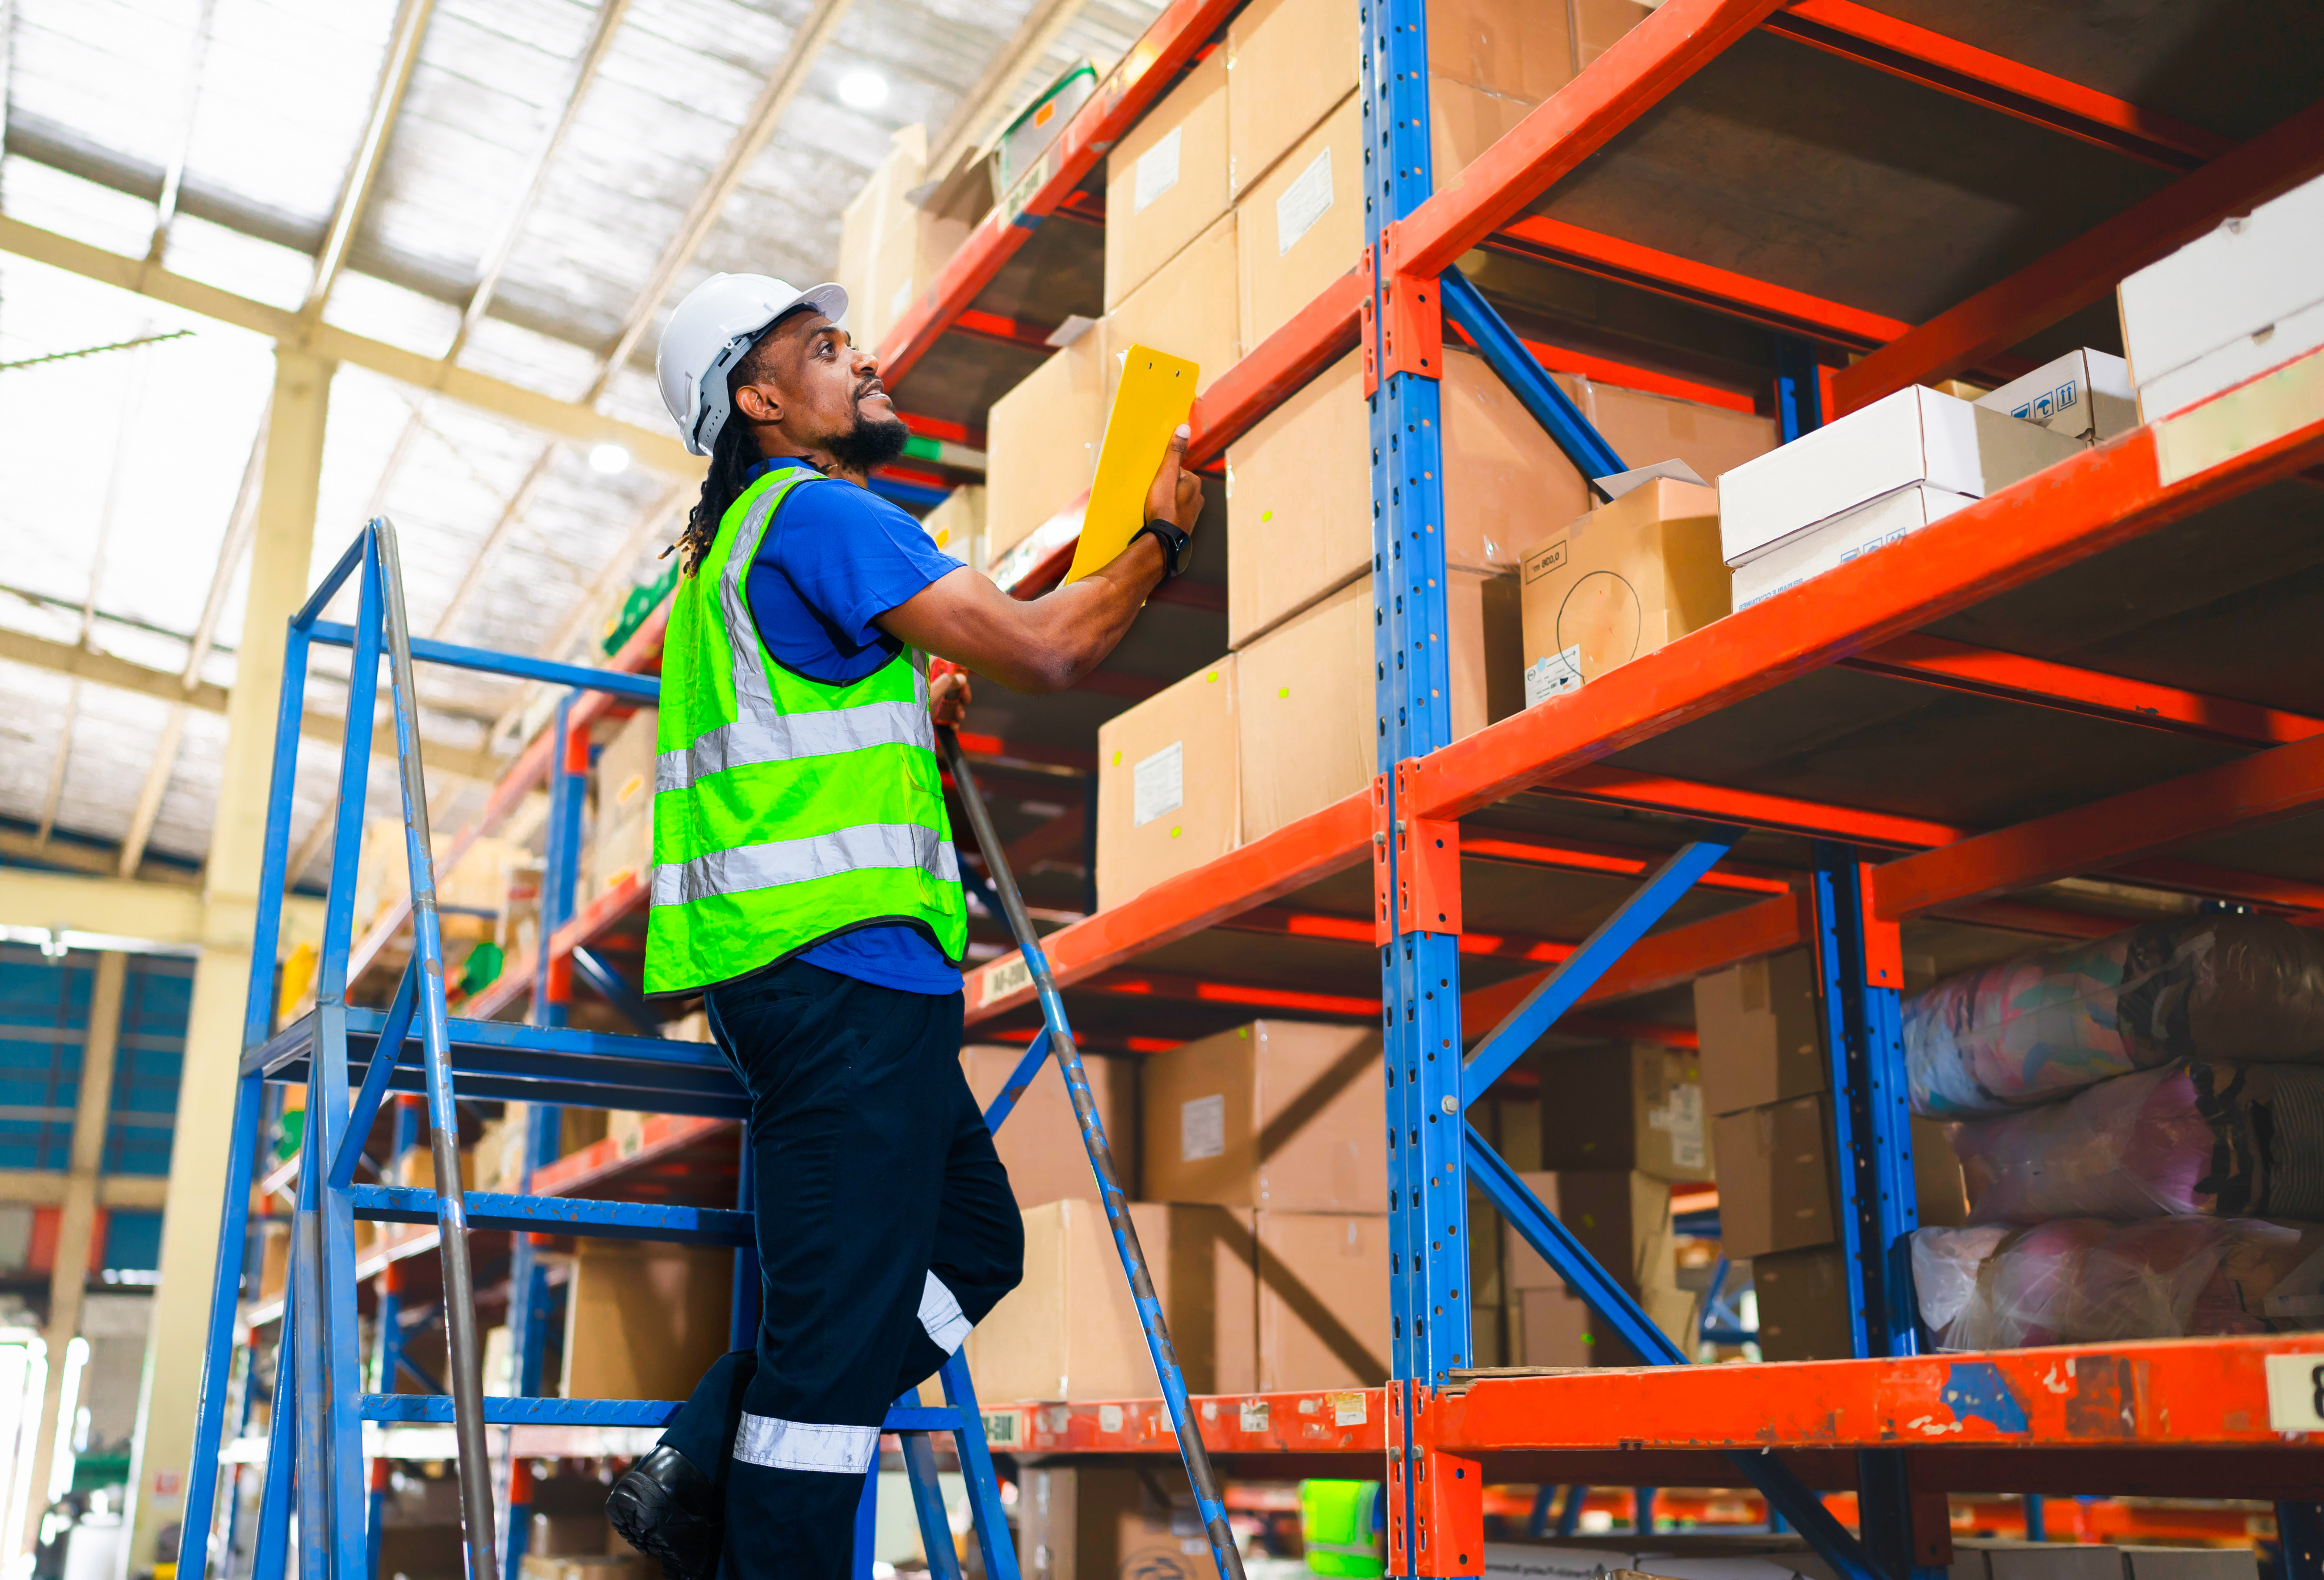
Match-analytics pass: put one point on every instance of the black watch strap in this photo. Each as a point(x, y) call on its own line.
point(1173, 545)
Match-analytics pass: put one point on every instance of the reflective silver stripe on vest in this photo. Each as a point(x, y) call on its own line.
point(781, 861)
point(762, 732)
point(941, 1316)
point(770, 737)
point(782, 1444)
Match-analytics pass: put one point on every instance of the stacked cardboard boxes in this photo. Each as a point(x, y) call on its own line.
point(891, 248)
point(1041, 1144)
point(1767, 1081)
point(624, 777)
point(1266, 1234)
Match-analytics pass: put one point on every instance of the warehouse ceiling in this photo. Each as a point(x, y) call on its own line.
point(522, 186)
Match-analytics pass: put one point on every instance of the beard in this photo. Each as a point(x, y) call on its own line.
point(870, 443)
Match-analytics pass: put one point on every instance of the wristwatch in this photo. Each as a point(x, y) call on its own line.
point(1173, 543)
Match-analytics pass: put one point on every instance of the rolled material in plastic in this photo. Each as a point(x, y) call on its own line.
point(2032, 1030)
point(2213, 1139)
point(2082, 1280)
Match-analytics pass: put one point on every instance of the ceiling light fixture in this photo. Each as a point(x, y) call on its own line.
point(863, 90)
point(610, 459)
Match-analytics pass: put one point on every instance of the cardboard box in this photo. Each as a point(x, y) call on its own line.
point(273, 1261)
point(1777, 1184)
point(1849, 535)
point(644, 1320)
point(1620, 582)
point(1938, 1183)
point(1322, 1299)
point(1069, 1332)
point(1299, 483)
point(1623, 1219)
point(2244, 298)
point(1169, 790)
point(1803, 1303)
point(1188, 307)
point(1913, 436)
point(1088, 1521)
point(568, 1536)
point(1309, 711)
point(625, 777)
point(1990, 1559)
point(1626, 1105)
point(1041, 443)
point(1760, 1027)
point(889, 248)
point(1301, 225)
point(1167, 180)
point(957, 525)
point(1040, 1144)
point(1491, 62)
point(1280, 1114)
point(2161, 1563)
point(1289, 63)
point(415, 1168)
point(2085, 394)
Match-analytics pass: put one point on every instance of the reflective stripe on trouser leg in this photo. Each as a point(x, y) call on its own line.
point(941, 1316)
point(782, 1444)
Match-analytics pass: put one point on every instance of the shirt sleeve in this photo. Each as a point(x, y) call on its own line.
point(852, 556)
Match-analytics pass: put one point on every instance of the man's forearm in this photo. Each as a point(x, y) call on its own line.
point(1085, 621)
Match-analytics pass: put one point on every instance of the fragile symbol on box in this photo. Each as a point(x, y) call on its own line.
point(2043, 408)
point(1552, 676)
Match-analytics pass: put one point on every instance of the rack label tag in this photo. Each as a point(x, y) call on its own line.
point(2295, 1392)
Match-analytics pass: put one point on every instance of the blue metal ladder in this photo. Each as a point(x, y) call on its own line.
point(352, 1059)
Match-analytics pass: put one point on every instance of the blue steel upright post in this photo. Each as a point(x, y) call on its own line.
point(1415, 869)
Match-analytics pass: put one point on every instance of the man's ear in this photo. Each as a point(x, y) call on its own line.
point(756, 402)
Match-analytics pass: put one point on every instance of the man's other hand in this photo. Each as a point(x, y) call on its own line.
point(948, 695)
point(1177, 494)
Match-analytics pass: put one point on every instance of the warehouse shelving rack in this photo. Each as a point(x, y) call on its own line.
point(351, 1060)
point(1993, 621)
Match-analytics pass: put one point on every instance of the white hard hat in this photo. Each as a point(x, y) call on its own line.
point(719, 321)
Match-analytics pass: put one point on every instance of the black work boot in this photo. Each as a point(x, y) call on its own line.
point(669, 1510)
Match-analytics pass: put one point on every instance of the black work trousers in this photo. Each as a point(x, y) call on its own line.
point(886, 1228)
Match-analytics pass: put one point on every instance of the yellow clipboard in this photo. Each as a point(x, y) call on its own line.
point(1156, 394)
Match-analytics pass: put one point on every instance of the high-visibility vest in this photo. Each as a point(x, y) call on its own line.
point(1335, 1525)
point(786, 810)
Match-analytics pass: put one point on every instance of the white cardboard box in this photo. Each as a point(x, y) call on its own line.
point(1846, 536)
point(2084, 394)
point(2234, 285)
point(2232, 364)
point(1912, 437)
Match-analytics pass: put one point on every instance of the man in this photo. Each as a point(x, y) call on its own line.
point(805, 883)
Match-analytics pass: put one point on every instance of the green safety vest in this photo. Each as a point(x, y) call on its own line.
point(785, 810)
point(1335, 1525)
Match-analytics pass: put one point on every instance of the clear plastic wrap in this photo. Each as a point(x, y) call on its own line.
point(2213, 1139)
point(2082, 1280)
point(2031, 1030)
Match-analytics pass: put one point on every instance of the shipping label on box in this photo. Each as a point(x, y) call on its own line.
point(1620, 582)
point(1168, 784)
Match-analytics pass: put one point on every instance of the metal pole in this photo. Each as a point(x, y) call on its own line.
point(1209, 1504)
point(465, 1353)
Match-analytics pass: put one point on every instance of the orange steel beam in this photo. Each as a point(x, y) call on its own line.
point(1317, 335)
point(1293, 856)
point(1343, 1421)
point(1872, 38)
point(1631, 77)
point(1615, 786)
point(1284, 922)
point(2255, 789)
point(2258, 888)
point(2085, 270)
point(1170, 41)
point(1579, 856)
point(1536, 236)
point(1187, 989)
point(2185, 1393)
point(2014, 677)
point(2081, 506)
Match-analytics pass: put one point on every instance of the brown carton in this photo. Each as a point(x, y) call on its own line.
point(1301, 226)
point(1299, 490)
point(1070, 1332)
point(1040, 1144)
point(1624, 1105)
point(1289, 63)
point(1322, 1299)
point(1777, 1192)
point(1188, 307)
point(1168, 785)
point(1643, 428)
point(1623, 1219)
point(1623, 581)
point(1803, 1304)
point(1491, 63)
point(1308, 708)
point(1168, 179)
point(644, 1320)
point(1760, 1026)
point(1041, 443)
point(625, 775)
point(891, 248)
point(1087, 1521)
point(1281, 1115)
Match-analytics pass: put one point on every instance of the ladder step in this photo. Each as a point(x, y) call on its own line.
point(500, 1410)
point(561, 1215)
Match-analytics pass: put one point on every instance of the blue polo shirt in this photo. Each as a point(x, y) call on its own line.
point(835, 558)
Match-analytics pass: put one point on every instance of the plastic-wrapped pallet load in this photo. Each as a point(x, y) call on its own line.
point(2084, 1279)
point(2218, 1139)
point(2037, 1028)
